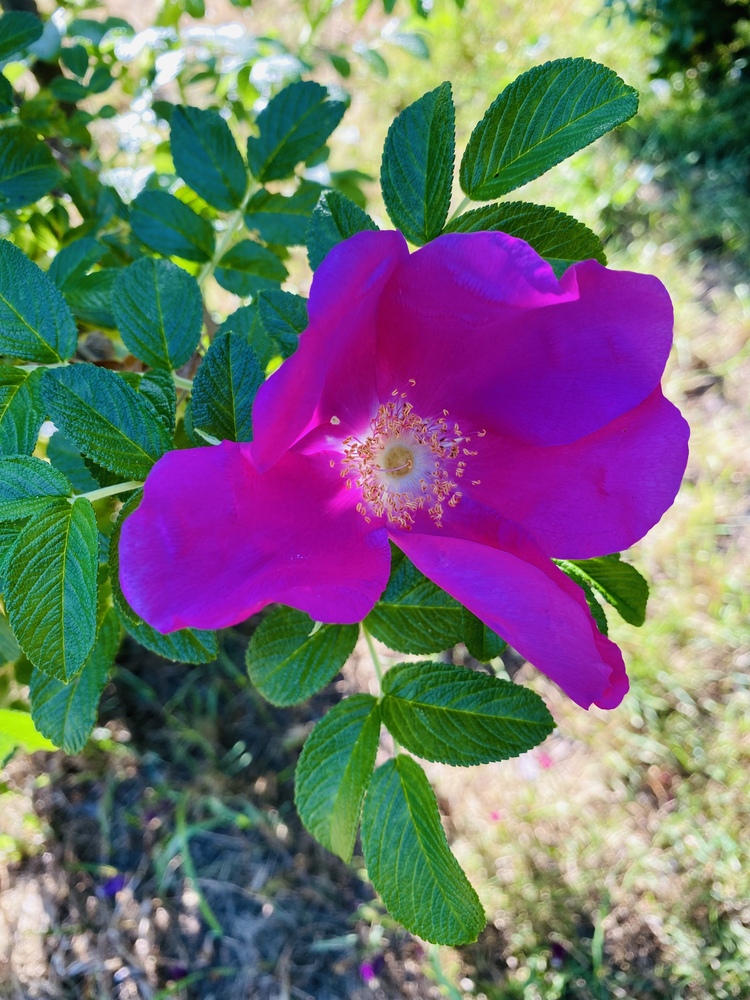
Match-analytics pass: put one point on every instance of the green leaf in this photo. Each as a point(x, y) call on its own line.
point(248, 268)
point(289, 660)
point(35, 321)
point(283, 317)
point(159, 312)
point(7, 97)
point(67, 91)
point(27, 168)
point(410, 42)
point(66, 713)
point(335, 218)
point(65, 457)
point(10, 651)
point(416, 173)
point(551, 233)
point(619, 583)
point(74, 261)
point(414, 615)
point(283, 220)
point(457, 716)
point(246, 323)
point(21, 411)
point(159, 389)
point(105, 418)
point(188, 645)
point(18, 30)
point(292, 126)
point(18, 730)
point(409, 861)
point(482, 643)
point(26, 486)
point(544, 116)
point(50, 595)
point(334, 769)
point(125, 613)
point(373, 59)
point(361, 7)
point(224, 389)
point(170, 227)
point(205, 155)
point(76, 59)
point(90, 298)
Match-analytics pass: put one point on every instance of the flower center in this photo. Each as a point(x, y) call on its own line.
point(404, 464)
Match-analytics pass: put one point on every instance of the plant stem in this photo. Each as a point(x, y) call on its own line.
point(374, 655)
point(233, 224)
point(461, 206)
point(107, 491)
point(182, 383)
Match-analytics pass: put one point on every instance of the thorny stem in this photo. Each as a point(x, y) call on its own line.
point(462, 205)
point(233, 224)
point(106, 491)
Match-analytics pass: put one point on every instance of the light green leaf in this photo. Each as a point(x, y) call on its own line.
point(249, 268)
point(205, 155)
point(188, 645)
point(105, 418)
point(457, 716)
point(334, 769)
point(409, 861)
point(416, 173)
point(18, 730)
point(482, 643)
point(66, 713)
point(619, 583)
point(224, 389)
point(283, 220)
point(21, 411)
point(27, 485)
point(410, 42)
point(18, 30)
point(51, 587)
point(289, 661)
point(159, 312)
point(283, 317)
point(35, 321)
point(544, 116)
point(373, 59)
point(65, 456)
point(27, 168)
point(335, 218)
point(293, 125)
point(170, 227)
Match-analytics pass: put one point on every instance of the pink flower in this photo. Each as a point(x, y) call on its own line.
point(459, 401)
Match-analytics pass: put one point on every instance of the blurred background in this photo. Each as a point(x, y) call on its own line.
point(166, 860)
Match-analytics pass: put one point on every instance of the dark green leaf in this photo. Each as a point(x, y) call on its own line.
point(619, 583)
point(7, 97)
point(224, 389)
point(66, 713)
point(91, 296)
point(409, 861)
point(10, 651)
point(101, 80)
point(482, 643)
point(206, 157)
point(74, 261)
point(335, 218)
point(544, 116)
point(342, 65)
point(65, 456)
point(188, 645)
point(551, 233)
point(249, 268)
point(413, 615)
point(67, 91)
point(246, 322)
point(27, 168)
point(333, 772)
point(159, 389)
point(76, 59)
point(18, 30)
point(281, 220)
point(21, 411)
point(35, 321)
point(159, 312)
point(416, 173)
point(457, 716)
point(294, 124)
point(27, 485)
point(168, 226)
point(105, 418)
point(50, 595)
point(283, 317)
point(289, 659)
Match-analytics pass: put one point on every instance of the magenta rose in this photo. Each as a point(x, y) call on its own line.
point(460, 402)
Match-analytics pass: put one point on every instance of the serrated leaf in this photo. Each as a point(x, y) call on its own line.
point(8, 532)
point(50, 595)
point(125, 613)
point(289, 661)
point(27, 168)
point(65, 457)
point(446, 713)
point(544, 116)
point(333, 772)
point(18, 30)
point(245, 322)
point(66, 713)
point(205, 155)
point(249, 268)
point(482, 643)
point(187, 645)
point(283, 317)
point(35, 321)
point(409, 861)
point(292, 126)
point(158, 388)
point(105, 418)
point(21, 411)
point(414, 615)
point(283, 220)
point(170, 227)
point(335, 218)
point(159, 312)
point(27, 486)
point(619, 583)
point(74, 261)
point(18, 730)
point(416, 173)
point(224, 389)
point(551, 233)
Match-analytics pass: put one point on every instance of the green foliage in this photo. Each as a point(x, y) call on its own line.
point(283, 220)
point(27, 168)
point(457, 716)
point(416, 174)
point(335, 218)
point(546, 115)
point(186, 645)
point(333, 772)
point(26, 486)
point(290, 658)
point(619, 583)
point(224, 389)
point(17, 730)
point(283, 317)
point(63, 455)
point(482, 643)
point(248, 268)
point(206, 157)
point(74, 261)
point(18, 30)
point(170, 227)
point(408, 859)
point(21, 412)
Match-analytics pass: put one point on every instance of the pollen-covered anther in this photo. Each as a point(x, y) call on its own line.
point(405, 464)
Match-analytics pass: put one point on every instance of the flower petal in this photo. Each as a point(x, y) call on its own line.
point(497, 572)
point(481, 315)
point(598, 495)
point(213, 541)
point(332, 373)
